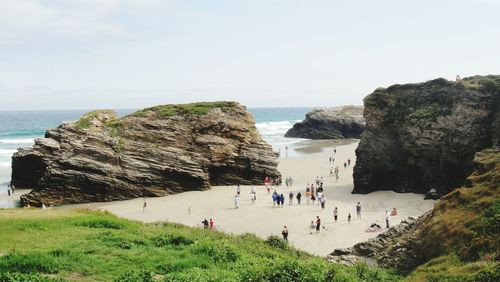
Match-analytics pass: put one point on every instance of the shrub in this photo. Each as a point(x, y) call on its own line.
point(220, 253)
point(171, 240)
point(23, 277)
point(135, 276)
point(102, 223)
point(29, 263)
point(277, 242)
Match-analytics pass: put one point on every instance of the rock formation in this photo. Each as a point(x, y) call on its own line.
point(423, 136)
point(153, 152)
point(463, 225)
point(330, 123)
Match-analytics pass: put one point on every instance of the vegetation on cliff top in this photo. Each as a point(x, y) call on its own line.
point(85, 121)
point(462, 238)
point(184, 109)
point(55, 245)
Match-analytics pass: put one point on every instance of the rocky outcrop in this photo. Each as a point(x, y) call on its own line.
point(464, 225)
point(154, 152)
point(330, 123)
point(423, 136)
point(395, 248)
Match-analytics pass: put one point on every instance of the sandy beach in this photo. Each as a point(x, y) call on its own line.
point(261, 218)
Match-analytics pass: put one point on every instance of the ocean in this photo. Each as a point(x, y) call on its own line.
point(19, 129)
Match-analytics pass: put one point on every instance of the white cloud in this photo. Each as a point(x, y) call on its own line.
point(73, 19)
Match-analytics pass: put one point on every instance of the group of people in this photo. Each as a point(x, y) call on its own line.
point(289, 181)
point(208, 224)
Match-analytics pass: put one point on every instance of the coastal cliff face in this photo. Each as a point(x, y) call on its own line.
point(330, 123)
point(459, 236)
point(423, 136)
point(153, 152)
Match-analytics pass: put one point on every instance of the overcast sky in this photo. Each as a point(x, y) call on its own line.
point(85, 54)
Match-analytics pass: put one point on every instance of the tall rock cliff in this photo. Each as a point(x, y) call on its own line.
point(153, 152)
point(330, 123)
point(423, 136)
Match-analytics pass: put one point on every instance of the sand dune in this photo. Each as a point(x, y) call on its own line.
point(263, 219)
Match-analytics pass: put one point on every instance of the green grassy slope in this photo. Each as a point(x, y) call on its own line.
point(75, 245)
point(462, 238)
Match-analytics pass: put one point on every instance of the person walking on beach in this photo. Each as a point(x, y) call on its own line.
point(358, 211)
point(349, 218)
point(387, 217)
point(212, 224)
point(238, 190)
point(335, 213)
point(205, 223)
point(299, 196)
point(282, 199)
point(275, 198)
point(144, 205)
point(285, 233)
point(318, 223)
point(323, 201)
point(290, 198)
point(290, 181)
point(313, 199)
point(345, 165)
point(349, 162)
point(236, 201)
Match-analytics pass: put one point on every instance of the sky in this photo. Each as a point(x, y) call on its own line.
point(88, 54)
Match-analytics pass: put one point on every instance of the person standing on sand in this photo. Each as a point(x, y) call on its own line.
point(236, 201)
point(275, 199)
point(299, 196)
point(290, 198)
point(323, 201)
point(212, 224)
point(205, 223)
point(144, 205)
point(238, 190)
point(358, 211)
point(387, 217)
point(334, 150)
point(345, 165)
point(318, 223)
point(282, 200)
point(335, 213)
point(313, 198)
point(349, 218)
point(285, 233)
point(349, 162)
point(290, 181)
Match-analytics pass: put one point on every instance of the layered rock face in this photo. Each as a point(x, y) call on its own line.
point(330, 123)
point(423, 136)
point(154, 152)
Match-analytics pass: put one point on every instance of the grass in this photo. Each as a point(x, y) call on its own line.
point(93, 246)
point(184, 109)
point(85, 121)
point(461, 242)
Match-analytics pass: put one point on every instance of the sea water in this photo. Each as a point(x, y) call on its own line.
point(19, 129)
